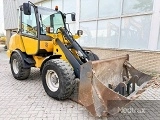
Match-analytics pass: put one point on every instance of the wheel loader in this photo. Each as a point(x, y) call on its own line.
point(43, 40)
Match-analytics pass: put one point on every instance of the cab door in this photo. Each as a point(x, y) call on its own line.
point(29, 31)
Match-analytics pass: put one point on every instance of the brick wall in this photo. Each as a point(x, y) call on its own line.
point(142, 60)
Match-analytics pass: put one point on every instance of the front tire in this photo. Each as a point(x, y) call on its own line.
point(58, 79)
point(17, 69)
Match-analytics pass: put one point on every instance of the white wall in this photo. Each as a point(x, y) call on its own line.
point(120, 24)
point(11, 12)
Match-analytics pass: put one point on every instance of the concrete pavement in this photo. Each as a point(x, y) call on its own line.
point(27, 100)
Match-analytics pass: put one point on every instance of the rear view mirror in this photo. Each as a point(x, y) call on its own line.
point(27, 8)
point(79, 32)
point(73, 17)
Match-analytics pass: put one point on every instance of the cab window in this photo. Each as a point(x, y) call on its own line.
point(29, 26)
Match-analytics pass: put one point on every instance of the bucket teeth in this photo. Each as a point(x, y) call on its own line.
point(105, 85)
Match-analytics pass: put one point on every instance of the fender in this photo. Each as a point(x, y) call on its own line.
point(48, 58)
point(27, 60)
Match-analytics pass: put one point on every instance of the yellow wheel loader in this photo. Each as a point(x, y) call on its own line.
point(68, 71)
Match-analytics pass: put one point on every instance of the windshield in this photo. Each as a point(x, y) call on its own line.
point(49, 19)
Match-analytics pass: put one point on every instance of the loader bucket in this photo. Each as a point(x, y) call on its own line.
point(105, 86)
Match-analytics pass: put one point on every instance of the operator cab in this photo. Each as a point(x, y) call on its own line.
point(38, 26)
point(36, 21)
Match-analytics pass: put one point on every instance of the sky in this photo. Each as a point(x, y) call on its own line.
point(1, 17)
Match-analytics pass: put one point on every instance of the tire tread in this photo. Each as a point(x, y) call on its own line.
point(68, 78)
point(23, 73)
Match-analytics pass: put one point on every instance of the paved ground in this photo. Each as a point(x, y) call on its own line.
point(27, 100)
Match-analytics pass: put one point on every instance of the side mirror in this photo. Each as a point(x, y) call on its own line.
point(79, 32)
point(27, 8)
point(73, 17)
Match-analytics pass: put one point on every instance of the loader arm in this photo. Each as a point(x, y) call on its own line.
point(74, 45)
point(68, 51)
point(72, 60)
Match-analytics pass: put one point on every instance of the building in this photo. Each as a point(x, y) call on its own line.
point(111, 27)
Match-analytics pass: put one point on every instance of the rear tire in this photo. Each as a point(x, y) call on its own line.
point(58, 79)
point(17, 69)
point(92, 56)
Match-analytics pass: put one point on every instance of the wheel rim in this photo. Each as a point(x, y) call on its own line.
point(15, 66)
point(52, 80)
